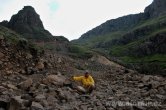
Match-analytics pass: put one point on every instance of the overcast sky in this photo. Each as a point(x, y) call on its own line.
point(72, 18)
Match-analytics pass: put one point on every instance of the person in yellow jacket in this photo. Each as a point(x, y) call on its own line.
point(87, 82)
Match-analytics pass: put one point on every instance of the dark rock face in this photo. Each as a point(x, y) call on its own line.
point(26, 16)
point(158, 7)
point(4, 23)
point(28, 23)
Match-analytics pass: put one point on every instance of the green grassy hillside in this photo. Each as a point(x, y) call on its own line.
point(144, 42)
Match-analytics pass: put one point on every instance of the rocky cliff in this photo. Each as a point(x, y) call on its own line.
point(26, 16)
point(28, 23)
point(157, 8)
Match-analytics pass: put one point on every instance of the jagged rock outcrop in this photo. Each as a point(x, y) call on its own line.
point(28, 23)
point(26, 16)
point(157, 8)
point(4, 23)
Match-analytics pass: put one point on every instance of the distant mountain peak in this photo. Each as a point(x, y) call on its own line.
point(27, 16)
point(28, 7)
point(28, 23)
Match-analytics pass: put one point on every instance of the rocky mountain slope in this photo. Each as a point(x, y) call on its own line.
point(28, 24)
point(133, 38)
point(43, 82)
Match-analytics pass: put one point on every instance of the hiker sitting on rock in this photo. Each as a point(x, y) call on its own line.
point(87, 82)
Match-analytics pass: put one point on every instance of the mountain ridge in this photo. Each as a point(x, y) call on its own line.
point(150, 11)
point(131, 36)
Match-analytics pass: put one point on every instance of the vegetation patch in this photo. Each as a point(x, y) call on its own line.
point(80, 52)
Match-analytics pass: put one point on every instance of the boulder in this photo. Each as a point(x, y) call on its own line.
point(28, 56)
point(157, 78)
point(42, 87)
point(40, 65)
point(36, 106)
point(40, 97)
point(161, 96)
point(9, 72)
point(55, 79)
point(146, 78)
point(64, 95)
point(1, 55)
point(11, 86)
point(155, 84)
point(2, 89)
point(25, 84)
point(59, 60)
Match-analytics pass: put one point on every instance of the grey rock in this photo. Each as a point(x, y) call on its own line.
point(36, 106)
point(11, 86)
point(40, 97)
point(25, 84)
point(146, 78)
point(1, 55)
point(55, 79)
point(156, 8)
point(160, 96)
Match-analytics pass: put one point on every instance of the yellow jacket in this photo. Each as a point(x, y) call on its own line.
point(85, 81)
